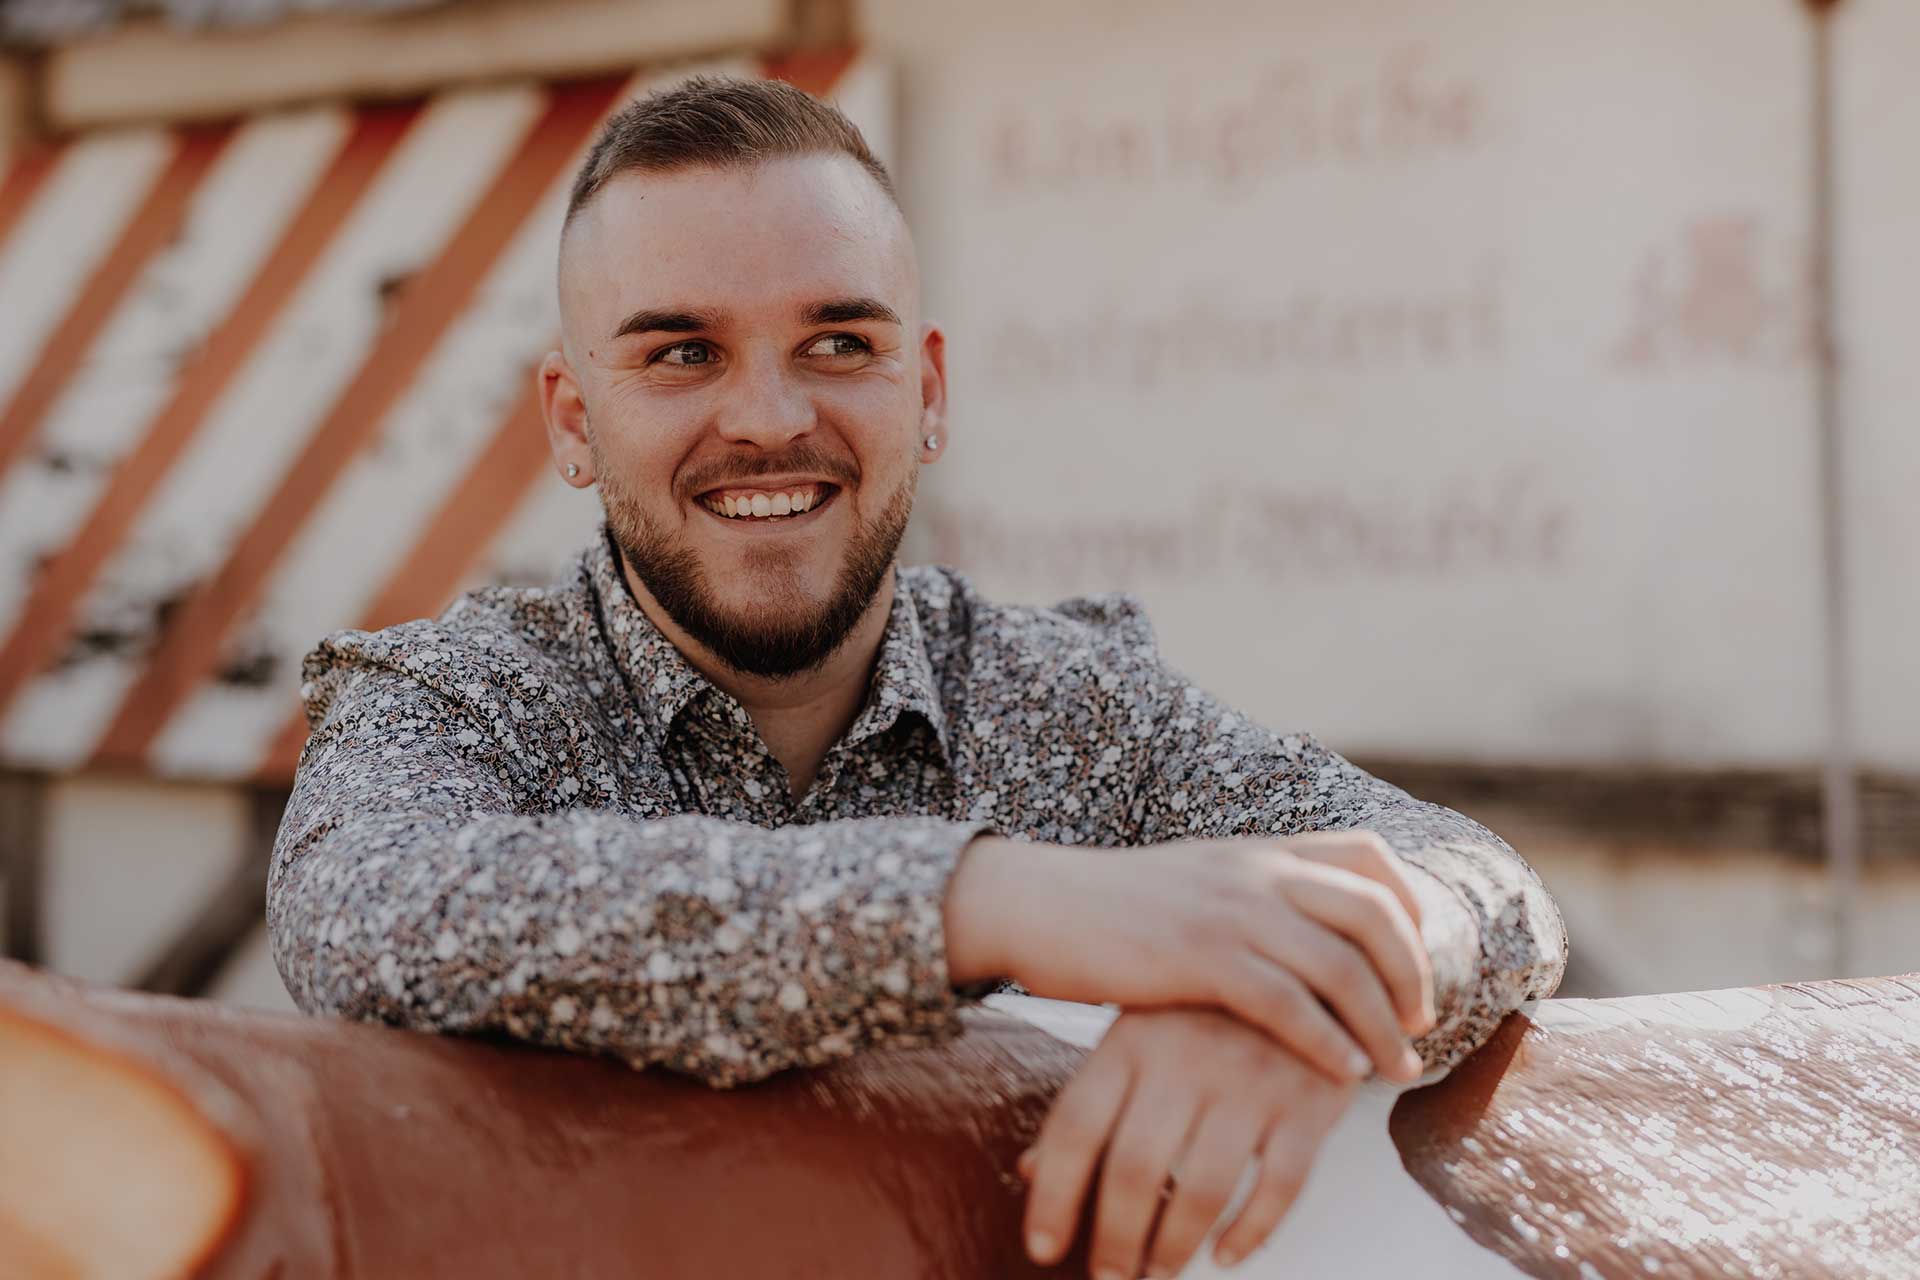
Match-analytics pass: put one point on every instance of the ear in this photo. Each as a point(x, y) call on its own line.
point(933, 392)
point(565, 412)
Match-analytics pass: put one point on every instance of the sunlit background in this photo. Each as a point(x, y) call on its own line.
point(1519, 396)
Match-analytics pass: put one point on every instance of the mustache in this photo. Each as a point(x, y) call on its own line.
point(805, 459)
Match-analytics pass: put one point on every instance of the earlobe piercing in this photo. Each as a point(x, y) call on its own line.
point(933, 442)
point(573, 470)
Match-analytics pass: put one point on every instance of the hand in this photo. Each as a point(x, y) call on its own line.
point(1192, 1093)
point(1267, 929)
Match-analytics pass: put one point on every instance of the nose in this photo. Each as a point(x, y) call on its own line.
point(766, 405)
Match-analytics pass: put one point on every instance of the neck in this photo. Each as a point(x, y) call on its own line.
point(800, 716)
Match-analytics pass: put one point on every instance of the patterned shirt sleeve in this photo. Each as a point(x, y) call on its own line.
point(1495, 937)
point(415, 882)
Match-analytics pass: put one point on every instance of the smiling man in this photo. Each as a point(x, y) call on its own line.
point(740, 794)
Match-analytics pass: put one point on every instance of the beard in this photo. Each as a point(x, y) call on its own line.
point(787, 633)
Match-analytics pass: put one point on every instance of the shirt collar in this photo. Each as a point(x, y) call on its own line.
point(663, 682)
point(903, 677)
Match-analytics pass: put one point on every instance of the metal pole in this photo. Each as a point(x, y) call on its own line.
point(1839, 785)
point(23, 859)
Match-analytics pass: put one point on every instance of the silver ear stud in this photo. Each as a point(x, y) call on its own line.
point(573, 470)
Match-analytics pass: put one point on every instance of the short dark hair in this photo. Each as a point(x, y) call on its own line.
point(718, 122)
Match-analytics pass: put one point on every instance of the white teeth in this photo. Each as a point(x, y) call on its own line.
point(765, 506)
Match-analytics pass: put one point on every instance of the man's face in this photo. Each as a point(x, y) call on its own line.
point(749, 339)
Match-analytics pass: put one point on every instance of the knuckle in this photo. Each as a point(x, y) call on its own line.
point(1290, 1002)
point(1286, 991)
point(1207, 1201)
point(1382, 908)
point(1235, 921)
point(1333, 1045)
point(1075, 1131)
point(1374, 844)
point(1348, 970)
point(1266, 867)
point(1132, 1176)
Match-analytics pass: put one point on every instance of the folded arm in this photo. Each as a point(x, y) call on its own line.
point(1494, 936)
point(412, 885)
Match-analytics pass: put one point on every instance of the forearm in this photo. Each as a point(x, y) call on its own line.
point(985, 889)
point(713, 948)
point(1493, 934)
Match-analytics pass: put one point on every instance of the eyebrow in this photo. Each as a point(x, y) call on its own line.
point(700, 319)
point(669, 320)
point(847, 310)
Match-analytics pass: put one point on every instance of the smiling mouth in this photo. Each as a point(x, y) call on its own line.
point(749, 505)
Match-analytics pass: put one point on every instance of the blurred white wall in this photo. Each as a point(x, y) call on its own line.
point(1441, 375)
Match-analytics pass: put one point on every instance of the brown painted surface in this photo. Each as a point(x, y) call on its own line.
point(23, 180)
point(455, 539)
point(182, 1183)
point(47, 619)
point(376, 1152)
point(190, 649)
point(1771, 1132)
point(151, 228)
point(815, 70)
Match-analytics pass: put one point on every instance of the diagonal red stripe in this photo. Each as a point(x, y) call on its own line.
point(816, 71)
point(459, 533)
point(151, 228)
point(24, 178)
point(47, 619)
point(191, 645)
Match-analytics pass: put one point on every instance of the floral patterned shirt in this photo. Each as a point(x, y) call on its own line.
point(533, 816)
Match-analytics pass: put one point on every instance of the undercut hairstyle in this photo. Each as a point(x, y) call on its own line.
point(719, 122)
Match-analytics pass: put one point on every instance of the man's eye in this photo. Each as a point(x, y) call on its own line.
point(839, 344)
point(684, 353)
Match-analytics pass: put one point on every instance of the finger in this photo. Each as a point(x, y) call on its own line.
point(1071, 1140)
point(1210, 1170)
point(1283, 1173)
point(1339, 973)
point(1364, 853)
point(1270, 997)
point(1152, 1131)
point(1371, 918)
